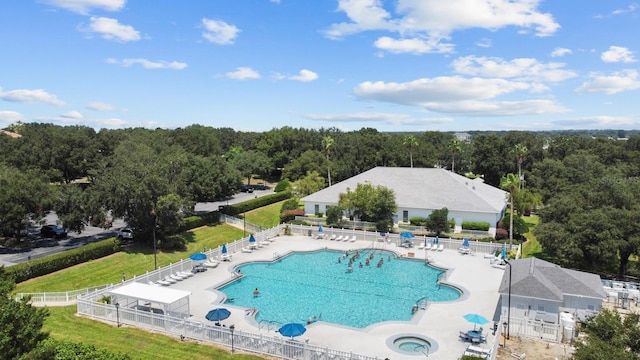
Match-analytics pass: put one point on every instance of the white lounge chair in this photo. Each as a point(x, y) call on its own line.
point(353, 239)
point(420, 245)
point(169, 279)
point(163, 282)
point(152, 283)
point(246, 250)
point(178, 276)
point(333, 237)
point(428, 246)
point(264, 243)
point(227, 257)
point(186, 273)
point(212, 263)
point(441, 247)
point(339, 238)
point(434, 247)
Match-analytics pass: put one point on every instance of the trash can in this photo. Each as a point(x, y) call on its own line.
point(309, 232)
point(568, 333)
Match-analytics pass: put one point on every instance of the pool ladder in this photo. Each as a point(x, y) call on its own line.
point(422, 303)
point(276, 256)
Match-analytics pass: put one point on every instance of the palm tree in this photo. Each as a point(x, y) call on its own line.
point(510, 182)
point(410, 141)
point(520, 150)
point(454, 148)
point(327, 142)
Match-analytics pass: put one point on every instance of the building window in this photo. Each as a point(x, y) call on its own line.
point(540, 309)
point(405, 215)
point(316, 209)
point(591, 307)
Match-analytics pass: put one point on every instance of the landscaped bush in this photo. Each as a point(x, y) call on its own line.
point(283, 185)
point(255, 203)
point(46, 265)
point(196, 221)
point(334, 215)
point(289, 215)
point(418, 221)
point(475, 225)
point(291, 204)
point(501, 234)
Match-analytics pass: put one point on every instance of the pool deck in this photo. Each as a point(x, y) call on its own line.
point(441, 322)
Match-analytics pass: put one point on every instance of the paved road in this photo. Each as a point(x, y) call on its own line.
point(45, 247)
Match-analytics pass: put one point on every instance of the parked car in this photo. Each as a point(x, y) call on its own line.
point(246, 188)
point(125, 233)
point(53, 231)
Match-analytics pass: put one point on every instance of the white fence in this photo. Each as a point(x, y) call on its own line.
point(529, 328)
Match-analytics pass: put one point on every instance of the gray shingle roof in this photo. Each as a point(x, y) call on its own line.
point(536, 278)
point(423, 188)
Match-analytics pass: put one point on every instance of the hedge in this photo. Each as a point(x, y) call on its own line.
point(196, 221)
point(46, 265)
point(475, 225)
point(244, 206)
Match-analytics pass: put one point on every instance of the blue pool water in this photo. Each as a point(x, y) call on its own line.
point(304, 285)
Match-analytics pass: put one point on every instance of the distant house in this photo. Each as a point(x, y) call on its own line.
point(541, 290)
point(419, 191)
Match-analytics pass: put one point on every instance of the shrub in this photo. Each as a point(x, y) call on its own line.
point(320, 214)
point(283, 185)
point(47, 265)
point(418, 221)
point(501, 234)
point(255, 203)
point(291, 204)
point(196, 221)
point(475, 225)
point(334, 215)
point(289, 215)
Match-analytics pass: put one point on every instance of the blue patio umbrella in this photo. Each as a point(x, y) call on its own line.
point(198, 256)
point(407, 234)
point(218, 314)
point(224, 248)
point(465, 243)
point(476, 319)
point(252, 239)
point(292, 330)
point(320, 229)
point(437, 240)
point(504, 252)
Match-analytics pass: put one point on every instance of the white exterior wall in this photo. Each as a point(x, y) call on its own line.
point(529, 308)
point(572, 303)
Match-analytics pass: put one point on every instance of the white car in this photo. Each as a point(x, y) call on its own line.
point(125, 233)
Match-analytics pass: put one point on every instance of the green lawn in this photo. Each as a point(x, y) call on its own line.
point(531, 247)
point(139, 344)
point(136, 260)
point(266, 216)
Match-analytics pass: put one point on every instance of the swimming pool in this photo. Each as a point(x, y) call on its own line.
point(313, 284)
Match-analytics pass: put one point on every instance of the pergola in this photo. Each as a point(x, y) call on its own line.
point(152, 298)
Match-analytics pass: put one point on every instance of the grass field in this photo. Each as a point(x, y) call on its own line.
point(139, 344)
point(266, 216)
point(531, 247)
point(136, 260)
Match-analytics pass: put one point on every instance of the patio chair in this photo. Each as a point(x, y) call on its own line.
point(168, 278)
point(186, 273)
point(421, 246)
point(464, 337)
point(518, 356)
point(178, 276)
point(339, 238)
point(333, 237)
point(152, 283)
point(163, 282)
point(434, 247)
point(353, 239)
point(428, 246)
point(441, 247)
point(246, 250)
point(212, 263)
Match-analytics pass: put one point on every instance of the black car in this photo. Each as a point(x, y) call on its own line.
point(53, 231)
point(246, 188)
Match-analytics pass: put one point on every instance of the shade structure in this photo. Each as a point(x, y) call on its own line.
point(252, 239)
point(224, 248)
point(292, 330)
point(320, 229)
point(476, 319)
point(218, 314)
point(465, 243)
point(406, 234)
point(198, 256)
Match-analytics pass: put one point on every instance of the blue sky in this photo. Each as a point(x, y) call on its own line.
point(254, 65)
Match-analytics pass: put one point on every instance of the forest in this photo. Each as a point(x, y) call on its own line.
point(584, 185)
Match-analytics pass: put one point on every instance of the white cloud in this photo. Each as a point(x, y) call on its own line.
point(436, 19)
point(30, 96)
point(520, 69)
point(560, 52)
point(484, 42)
point(110, 122)
point(10, 116)
point(99, 106)
point(617, 54)
point(85, 6)
point(219, 32)
point(72, 115)
point(625, 80)
point(243, 73)
point(388, 118)
point(111, 29)
point(603, 121)
point(148, 64)
point(458, 95)
point(275, 1)
point(414, 45)
point(304, 76)
point(631, 8)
